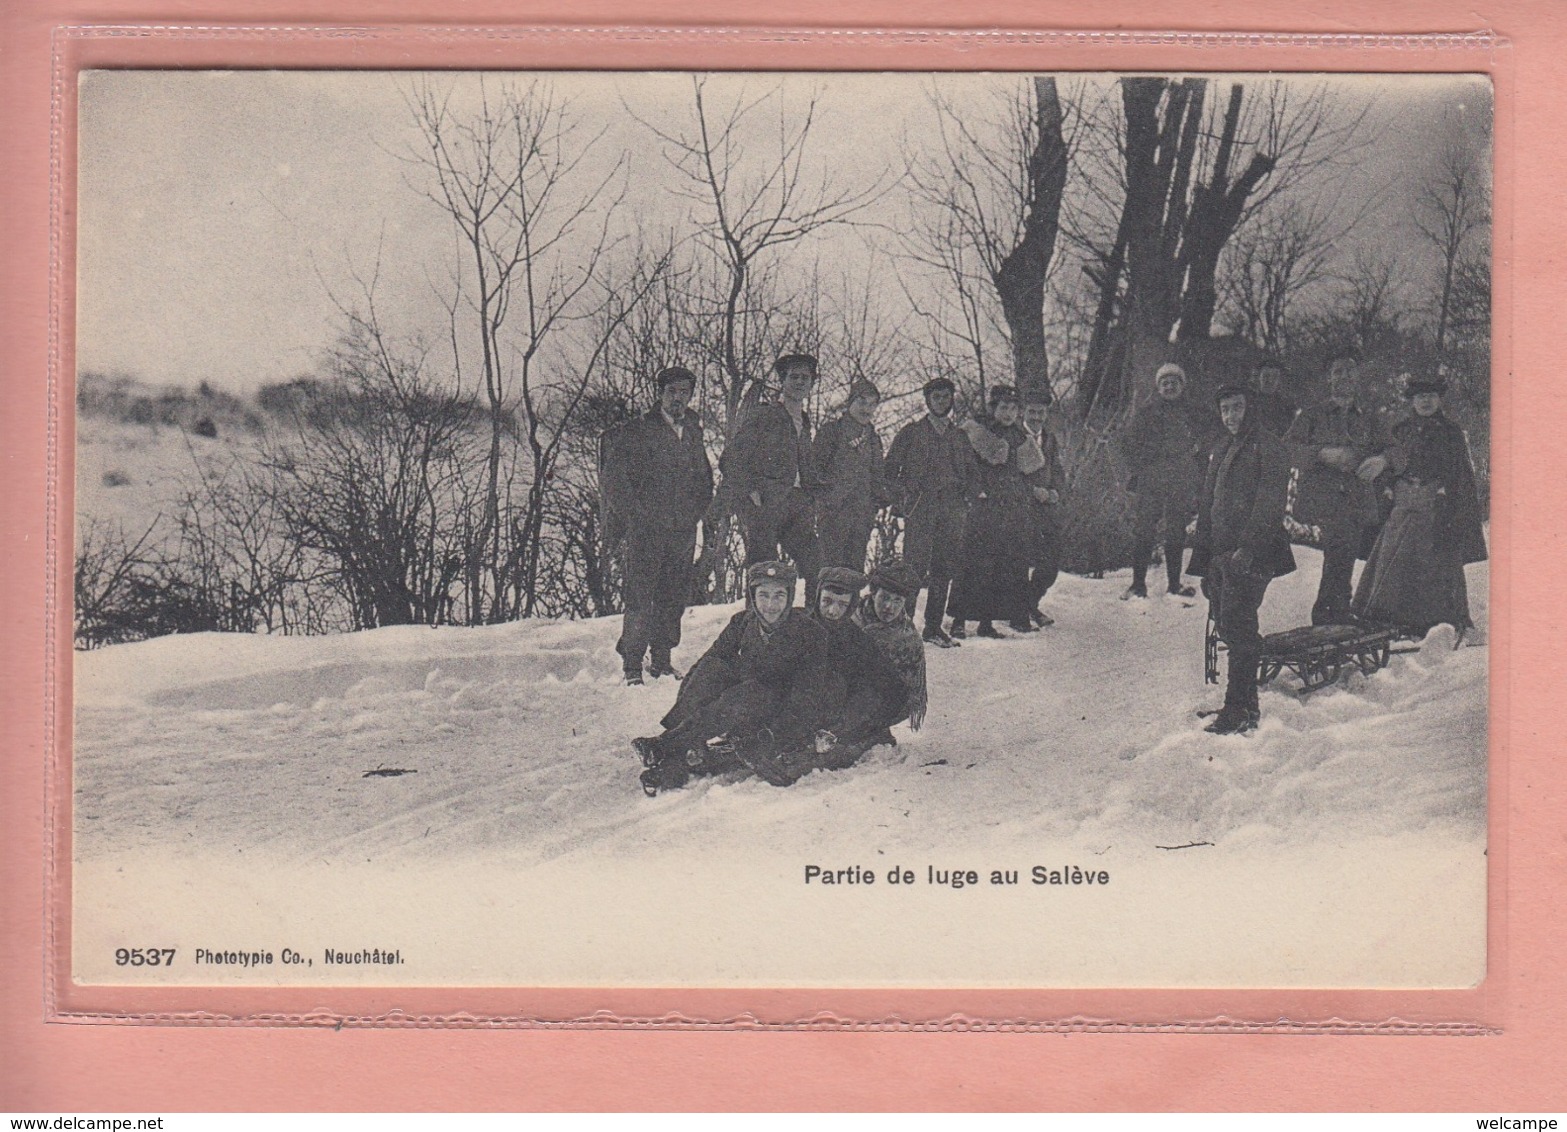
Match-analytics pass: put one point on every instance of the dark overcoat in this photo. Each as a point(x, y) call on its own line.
point(655, 477)
point(927, 464)
point(1242, 505)
point(856, 693)
point(1338, 503)
point(754, 668)
point(1274, 411)
point(768, 455)
point(1414, 576)
point(847, 461)
point(1433, 450)
point(1165, 446)
point(998, 536)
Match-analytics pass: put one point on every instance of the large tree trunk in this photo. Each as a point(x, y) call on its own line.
point(1217, 207)
point(1020, 278)
point(1172, 231)
point(1098, 366)
point(1156, 216)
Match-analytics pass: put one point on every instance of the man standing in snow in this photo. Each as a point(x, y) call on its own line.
point(1165, 445)
point(767, 471)
point(1047, 486)
point(928, 470)
point(657, 480)
point(847, 461)
point(1339, 449)
point(1241, 545)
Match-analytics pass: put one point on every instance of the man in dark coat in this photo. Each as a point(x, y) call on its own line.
point(1271, 405)
point(1339, 450)
point(1165, 445)
point(768, 473)
point(1047, 486)
point(657, 482)
point(847, 463)
point(1241, 545)
point(765, 671)
point(927, 471)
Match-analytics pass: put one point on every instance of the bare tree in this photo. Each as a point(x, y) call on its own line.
point(108, 569)
point(234, 546)
point(958, 312)
point(1368, 301)
point(1194, 172)
point(550, 407)
point(996, 186)
point(746, 206)
point(371, 480)
point(533, 225)
point(1452, 208)
point(1274, 263)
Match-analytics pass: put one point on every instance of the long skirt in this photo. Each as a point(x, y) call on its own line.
point(1413, 578)
point(992, 584)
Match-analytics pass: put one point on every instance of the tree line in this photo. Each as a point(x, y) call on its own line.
point(1047, 233)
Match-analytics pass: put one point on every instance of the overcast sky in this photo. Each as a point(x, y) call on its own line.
point(219, 211)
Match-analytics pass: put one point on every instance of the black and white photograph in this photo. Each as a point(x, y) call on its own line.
point(817, 529)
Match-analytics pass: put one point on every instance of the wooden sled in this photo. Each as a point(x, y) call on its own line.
point(1316, 654)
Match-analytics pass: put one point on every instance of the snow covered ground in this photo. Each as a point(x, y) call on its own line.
point(222, 798)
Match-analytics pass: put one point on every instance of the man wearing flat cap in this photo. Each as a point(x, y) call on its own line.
point(1340, 451)
point(1240, 545)
point(658, 482)
point(929, 468)
point(847, 459)
point(1165, 445)
point(768, 473)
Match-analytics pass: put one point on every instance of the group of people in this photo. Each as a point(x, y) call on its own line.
point(1335, 474)
point(784, 691)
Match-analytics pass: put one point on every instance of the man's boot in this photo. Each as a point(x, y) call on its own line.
point(669, 775)
point(659, 664)
point(1173, 553)
point(1240, 695)
point(632, 646)
point(1139, 586)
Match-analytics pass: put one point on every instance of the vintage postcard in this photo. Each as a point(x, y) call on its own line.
point(653, 529)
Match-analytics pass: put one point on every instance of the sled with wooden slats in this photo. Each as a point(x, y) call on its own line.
point(1317, 655)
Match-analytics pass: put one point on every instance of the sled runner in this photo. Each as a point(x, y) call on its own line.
point(1317, 654)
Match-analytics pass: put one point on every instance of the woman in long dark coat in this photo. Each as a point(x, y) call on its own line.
point(993, 583)
point(1414, 578)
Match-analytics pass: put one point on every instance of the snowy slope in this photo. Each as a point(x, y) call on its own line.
point(1086, 726)
point(215, 749)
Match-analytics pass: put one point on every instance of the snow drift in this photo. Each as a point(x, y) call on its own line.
point(1077, 744)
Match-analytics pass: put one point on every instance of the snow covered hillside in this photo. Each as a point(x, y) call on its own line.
point(519, 737)
point(1078, 744)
